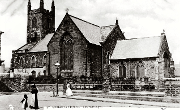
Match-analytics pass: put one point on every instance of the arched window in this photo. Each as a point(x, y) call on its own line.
point(33, 61)
point(34, 23)
point(44, 60)
point(120, 71)
point(21, 63)
point(140, 71)
point(108, 58)
point(67, 54)
point(17, 62)
point(124, 71)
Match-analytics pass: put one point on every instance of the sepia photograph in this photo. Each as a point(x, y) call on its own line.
point(89, 54)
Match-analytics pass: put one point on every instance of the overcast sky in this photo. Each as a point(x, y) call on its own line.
point(137, 18)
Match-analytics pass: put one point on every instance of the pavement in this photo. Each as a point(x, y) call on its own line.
point(167, 99)
point(84, 98)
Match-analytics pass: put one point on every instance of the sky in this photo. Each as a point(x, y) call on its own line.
point(137, 18)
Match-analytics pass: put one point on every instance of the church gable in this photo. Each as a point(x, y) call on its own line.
point(66, 26)
point(68, 46)
point(164, 48)
point(110, 42)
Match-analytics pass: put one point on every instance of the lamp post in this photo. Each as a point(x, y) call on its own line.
point(57, 66)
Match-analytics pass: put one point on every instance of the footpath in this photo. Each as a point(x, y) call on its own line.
point(157, 99)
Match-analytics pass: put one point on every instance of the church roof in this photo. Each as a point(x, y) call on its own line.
point(25, 47)
point(93, 33)
point(90, 31)
point(137, 48)
point(42, 45)
point(105, 31)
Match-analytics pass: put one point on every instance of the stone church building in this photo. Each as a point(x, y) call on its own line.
point(143, 57)
point(83, 48)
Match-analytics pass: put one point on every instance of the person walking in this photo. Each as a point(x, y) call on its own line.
point(34, 100)
point(24, 102)
point(68, 90)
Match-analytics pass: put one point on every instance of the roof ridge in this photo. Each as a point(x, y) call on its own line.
point(107, 25)
point(84, 21)
point(142, 38)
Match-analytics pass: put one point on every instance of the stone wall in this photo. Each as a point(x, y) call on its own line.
point(16, 84)
point(150, 68)
point(49, 87)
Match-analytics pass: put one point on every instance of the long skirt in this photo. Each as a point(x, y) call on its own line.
point(69, 92)
point(33, 100)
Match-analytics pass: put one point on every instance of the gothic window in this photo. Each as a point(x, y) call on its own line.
point(86, 60)
point(67, 54)
point(21, 62)
point(124, 71)
point(17, 62)
point(44, 60)
point(132, 70)
point(108, 58)
point(38, 60)
point(33, 61)
point(140, 71)
point(120, 71)
point(34, 23)
point(34, 37)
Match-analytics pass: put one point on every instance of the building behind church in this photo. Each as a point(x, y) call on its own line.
point(83, 48)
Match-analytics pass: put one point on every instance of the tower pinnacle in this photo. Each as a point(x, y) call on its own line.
point(41, 4)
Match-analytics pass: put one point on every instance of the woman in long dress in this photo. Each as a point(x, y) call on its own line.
point(68, 90)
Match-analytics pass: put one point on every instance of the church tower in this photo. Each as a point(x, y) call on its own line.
point(40, 22)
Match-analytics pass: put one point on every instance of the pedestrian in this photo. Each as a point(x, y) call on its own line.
point(68, 90)
point(24, 102)
point(34, 100)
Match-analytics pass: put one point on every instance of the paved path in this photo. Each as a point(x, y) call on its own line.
point(46, 99)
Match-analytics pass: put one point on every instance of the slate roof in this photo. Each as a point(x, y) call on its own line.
point(105, 31)
point(137, 48)
point(42, 45)
point(24, 47)
point(92, 32)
